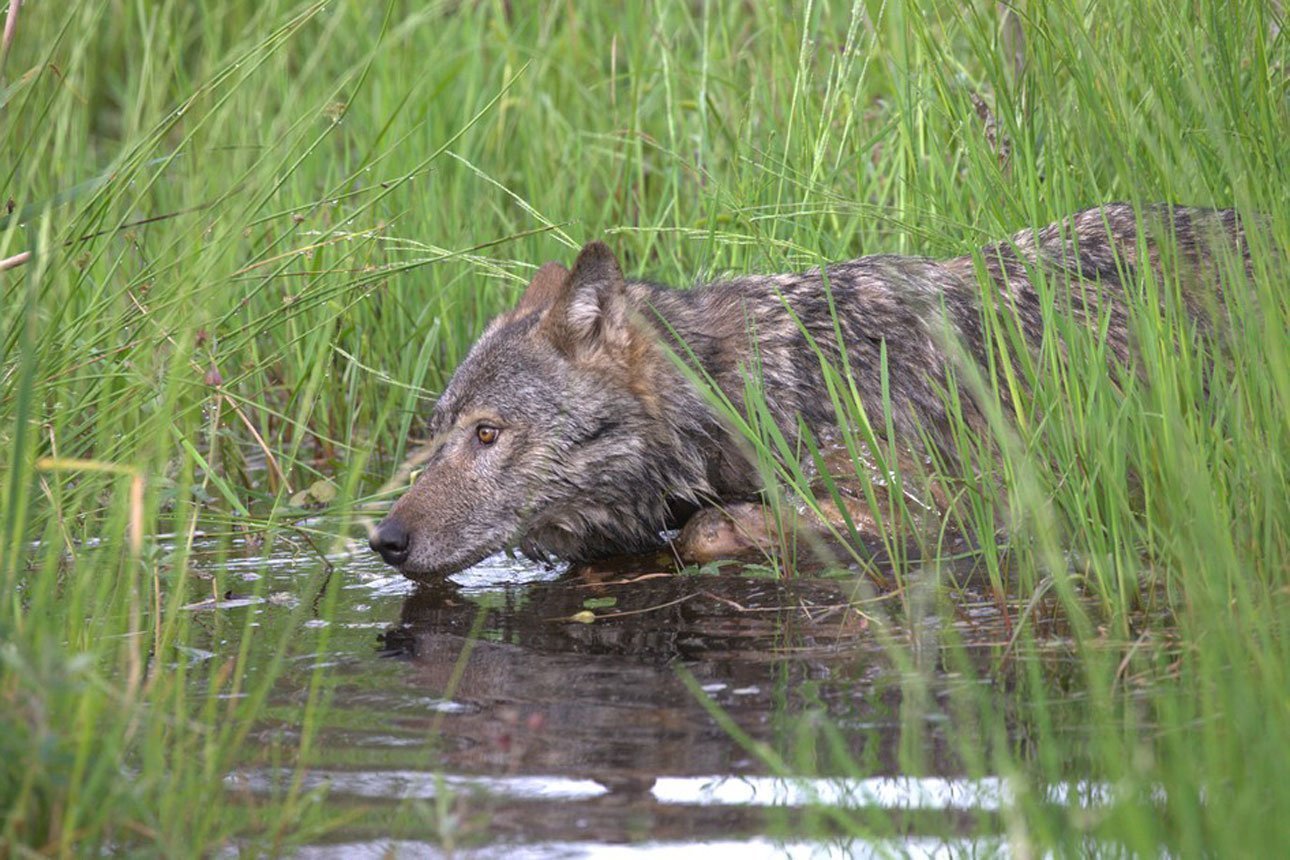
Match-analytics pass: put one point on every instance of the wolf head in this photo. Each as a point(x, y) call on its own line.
point(547, 437)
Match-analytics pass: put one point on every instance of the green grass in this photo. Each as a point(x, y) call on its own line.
point(263, 233)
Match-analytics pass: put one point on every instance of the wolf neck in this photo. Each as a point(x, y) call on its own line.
point(703, 338)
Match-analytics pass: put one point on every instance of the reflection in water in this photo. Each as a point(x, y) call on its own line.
point(754, 848)
point(892, 793)
point(608, 699)
point(691, 709)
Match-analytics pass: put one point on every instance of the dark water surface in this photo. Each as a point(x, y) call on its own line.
point(518, 711)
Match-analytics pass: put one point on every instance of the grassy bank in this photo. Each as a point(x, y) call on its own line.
point(246, 243)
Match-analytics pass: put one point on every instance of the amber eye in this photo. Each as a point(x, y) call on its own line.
point(486, 435)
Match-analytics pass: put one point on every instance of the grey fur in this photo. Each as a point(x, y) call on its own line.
point(603, 442)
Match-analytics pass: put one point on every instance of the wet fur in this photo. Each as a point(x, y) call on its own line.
point(604, 442)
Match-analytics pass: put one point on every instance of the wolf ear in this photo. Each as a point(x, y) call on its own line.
point(547, 285)
point(593, 309)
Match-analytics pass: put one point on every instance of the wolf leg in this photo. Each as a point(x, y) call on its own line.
point(749, 530)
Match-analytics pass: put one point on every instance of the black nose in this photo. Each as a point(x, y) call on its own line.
point(390, 539)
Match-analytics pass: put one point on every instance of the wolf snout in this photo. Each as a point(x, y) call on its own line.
point(390, 539)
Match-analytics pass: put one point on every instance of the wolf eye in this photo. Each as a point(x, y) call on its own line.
point(486, 435)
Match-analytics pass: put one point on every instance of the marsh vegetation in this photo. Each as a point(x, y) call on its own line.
point(244, 244)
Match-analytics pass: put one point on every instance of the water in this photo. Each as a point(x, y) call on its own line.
point(524, 711)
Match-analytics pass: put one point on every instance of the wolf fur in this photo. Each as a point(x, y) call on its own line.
point(571, 430)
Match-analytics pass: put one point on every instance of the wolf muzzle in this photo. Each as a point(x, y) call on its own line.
point(391, 540)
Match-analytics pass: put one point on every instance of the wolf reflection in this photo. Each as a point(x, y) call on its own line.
point(533, 692)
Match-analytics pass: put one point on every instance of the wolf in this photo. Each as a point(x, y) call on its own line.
point(582, 423)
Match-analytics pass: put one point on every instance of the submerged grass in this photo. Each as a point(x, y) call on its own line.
point(245, 243)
